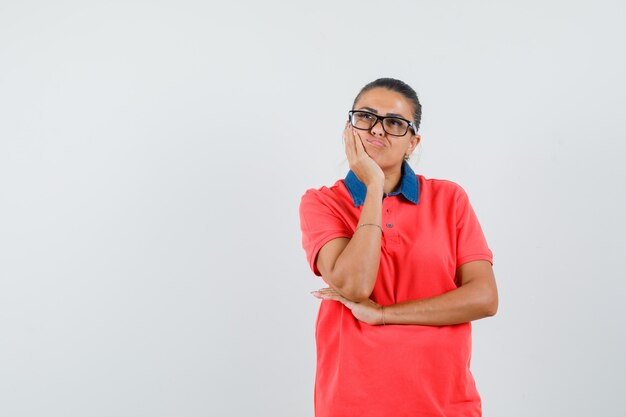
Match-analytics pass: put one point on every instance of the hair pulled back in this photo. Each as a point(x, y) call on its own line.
point(399, 87)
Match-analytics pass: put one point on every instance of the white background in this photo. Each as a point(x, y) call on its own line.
point(152, 159)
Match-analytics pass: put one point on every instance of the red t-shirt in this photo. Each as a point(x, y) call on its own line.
point(396, 370)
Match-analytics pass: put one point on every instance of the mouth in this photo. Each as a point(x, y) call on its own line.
point(376, 143)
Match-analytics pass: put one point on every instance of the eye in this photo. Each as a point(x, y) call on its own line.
point(364, 116)
point(396, 122)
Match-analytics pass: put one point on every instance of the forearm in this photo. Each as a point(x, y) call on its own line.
point(461, 305)
point(356, 268)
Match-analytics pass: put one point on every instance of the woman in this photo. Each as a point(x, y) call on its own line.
point(407, 268)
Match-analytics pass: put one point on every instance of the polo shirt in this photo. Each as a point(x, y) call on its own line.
point(429, 230)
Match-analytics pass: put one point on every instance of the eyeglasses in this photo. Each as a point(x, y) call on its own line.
point(394, 126)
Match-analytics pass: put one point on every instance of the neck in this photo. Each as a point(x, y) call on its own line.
point(392, 179)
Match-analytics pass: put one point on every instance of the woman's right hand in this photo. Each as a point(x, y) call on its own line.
point(364, 167)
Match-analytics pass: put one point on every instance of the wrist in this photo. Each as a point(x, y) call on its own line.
point(375, 186)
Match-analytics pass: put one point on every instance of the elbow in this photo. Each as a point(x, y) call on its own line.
point(356, 290)
point(486, 302)
point(491, 306)
point(356, 293)
point(359, 297)
point(491, 310)
point(354, 285)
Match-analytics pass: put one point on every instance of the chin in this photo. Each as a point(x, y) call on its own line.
point(385, 164)
point(383, 159)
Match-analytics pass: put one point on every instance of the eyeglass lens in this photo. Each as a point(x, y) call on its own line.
point(391, 125)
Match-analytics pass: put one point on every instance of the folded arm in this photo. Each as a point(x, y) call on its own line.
point(350, 266)
point(476, 298)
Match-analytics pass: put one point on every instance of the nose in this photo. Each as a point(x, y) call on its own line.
point(377, 129)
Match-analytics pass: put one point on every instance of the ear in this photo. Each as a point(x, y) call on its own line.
point(413, 142)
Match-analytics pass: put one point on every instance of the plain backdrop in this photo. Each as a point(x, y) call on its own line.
point(152, 160)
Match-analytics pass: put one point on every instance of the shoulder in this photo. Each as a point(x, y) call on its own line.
point(334, 193)
point(334, 200)
point(440, 188)
point(326, 208)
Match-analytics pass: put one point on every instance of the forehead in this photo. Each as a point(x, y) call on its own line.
point(386, 101)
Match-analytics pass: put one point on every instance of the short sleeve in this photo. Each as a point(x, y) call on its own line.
point(320, 222)
point(471, 244)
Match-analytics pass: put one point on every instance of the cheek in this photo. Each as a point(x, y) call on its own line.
point(410, 146)
point(401, 148)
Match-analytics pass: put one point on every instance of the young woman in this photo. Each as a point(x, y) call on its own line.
point(407, 268)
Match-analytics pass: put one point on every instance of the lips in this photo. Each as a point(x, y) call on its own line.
point(377, 143)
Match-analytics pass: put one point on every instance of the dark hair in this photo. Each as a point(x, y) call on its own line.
point(399, 87)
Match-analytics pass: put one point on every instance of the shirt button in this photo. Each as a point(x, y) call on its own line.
point(389, 225)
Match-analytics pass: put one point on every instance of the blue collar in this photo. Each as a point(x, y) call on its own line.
point(409, 186)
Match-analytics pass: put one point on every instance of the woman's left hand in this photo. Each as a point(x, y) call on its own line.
point(367, 311)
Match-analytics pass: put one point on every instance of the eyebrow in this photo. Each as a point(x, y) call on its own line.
point(388, 114)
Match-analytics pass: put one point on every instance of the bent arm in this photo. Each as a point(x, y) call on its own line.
point(350, 266)
point(476, 298)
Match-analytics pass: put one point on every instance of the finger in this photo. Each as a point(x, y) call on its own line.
point(343, 135)
point(331, 293)
point(325, 295)
point(328, 291)
point(325, 290)
point(348, 147)
point(333, 297)
point(356, 140)
point(349, 142)
point(358, 144)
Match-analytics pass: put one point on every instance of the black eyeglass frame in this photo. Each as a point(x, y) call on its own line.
point(382, 124)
